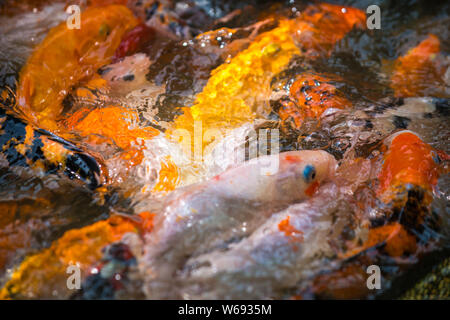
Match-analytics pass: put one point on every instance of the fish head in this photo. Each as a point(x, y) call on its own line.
point(309, 167)
point(408, 162)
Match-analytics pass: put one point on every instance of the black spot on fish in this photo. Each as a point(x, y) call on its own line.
point(12, 134)
point(128, 77)
point(377, 222)
point(305, 88)
point(95, 287)
point(15, 158)
point(68, 103)
point(12, 127)
point(34, 153)
point(401, 122)
point(104, 70)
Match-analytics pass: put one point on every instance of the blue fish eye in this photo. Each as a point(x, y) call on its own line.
point(309, 173)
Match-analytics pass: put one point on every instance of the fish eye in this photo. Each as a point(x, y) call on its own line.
point(309, 173)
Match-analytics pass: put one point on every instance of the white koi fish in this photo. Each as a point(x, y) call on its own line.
point(290, 246)
point(229, 206)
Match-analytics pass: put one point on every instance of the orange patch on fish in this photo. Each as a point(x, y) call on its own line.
point(146, 221)
point(397, 240)
point(292, 159)
point(113, 125)
point(168, 177)
point(312, 188)
point(53, 151)
point(289, 231)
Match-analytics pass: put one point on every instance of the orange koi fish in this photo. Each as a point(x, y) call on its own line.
point(309, 96)
point(67, 57)
point(41, 274)
point(419, 70)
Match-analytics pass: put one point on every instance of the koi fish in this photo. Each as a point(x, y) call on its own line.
point(408, 160)
point(408, 176)
point(228, 100)
point(290, 246)
point(71, 57)
point(230, 205)
point(309, 97)
point(421, 71)
point(409, 170)
point(23, 145)
point(85, 246)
